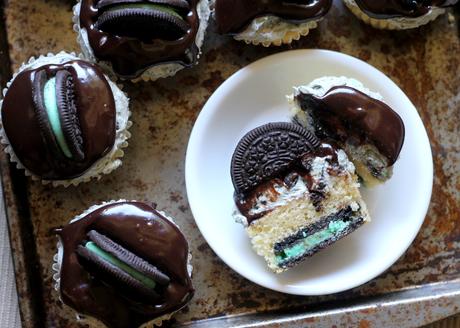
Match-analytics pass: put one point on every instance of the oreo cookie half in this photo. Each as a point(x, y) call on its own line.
point(145, 21)
point(38, 97)
point(56, 113)
point(70, 123)
point(267, 150)
point(115, 264)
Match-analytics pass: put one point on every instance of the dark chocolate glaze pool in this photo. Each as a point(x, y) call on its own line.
point(382, 9)
point(232, 16)
point(346, 114)
point(95, 109)
point(129, 56)
point(147, 233)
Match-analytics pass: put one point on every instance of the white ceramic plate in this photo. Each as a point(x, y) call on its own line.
point(256, 95)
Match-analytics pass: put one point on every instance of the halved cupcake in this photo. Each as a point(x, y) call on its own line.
point(357, 119)
point(294, 194)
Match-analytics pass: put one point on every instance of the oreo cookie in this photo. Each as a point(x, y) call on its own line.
point(268, 150)
point(143, 21)
point(38, 85)
point(68, 116)
point(56, 113)
point(129, 258)
point(120, 267)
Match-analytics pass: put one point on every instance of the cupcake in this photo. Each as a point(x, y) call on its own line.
point(398, 14)
point(142, 39)
point(123, 264)
point(271, 22)
point(294, 194)
point(63, 121)
point(357, 119)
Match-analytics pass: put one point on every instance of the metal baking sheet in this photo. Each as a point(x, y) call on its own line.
point(422, 287)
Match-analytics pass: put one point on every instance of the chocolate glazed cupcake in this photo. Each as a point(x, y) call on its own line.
point(271, 22)
point(123, 263)
point(63, 121)
point(398, 14)
point(357, 119)
point(142, 39)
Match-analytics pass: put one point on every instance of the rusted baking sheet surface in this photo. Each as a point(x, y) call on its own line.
point(424, 62)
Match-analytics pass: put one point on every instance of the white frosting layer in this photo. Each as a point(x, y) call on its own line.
point(319, 174)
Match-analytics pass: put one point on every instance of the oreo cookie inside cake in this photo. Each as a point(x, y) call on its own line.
point(295, 194)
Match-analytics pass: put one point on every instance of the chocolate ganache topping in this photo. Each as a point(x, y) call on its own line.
point(232, 16)
point(401, 8)
point(133, 236)
point(287, 178)
point(134, 35)
point(346, 114)
point(60, 118)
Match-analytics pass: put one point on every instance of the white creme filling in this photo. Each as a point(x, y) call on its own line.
point(266, 201)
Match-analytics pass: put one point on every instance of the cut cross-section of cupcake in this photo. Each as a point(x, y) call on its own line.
point(302, 206)
point(144, 20)
point(369, 131)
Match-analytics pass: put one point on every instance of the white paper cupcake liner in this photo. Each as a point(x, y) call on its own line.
point(398, 23)
point(91, 321)
point(273, 31)
point(106, 164)
point(155, 72)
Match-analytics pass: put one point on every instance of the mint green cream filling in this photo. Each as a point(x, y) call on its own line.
point(164, 9)
point(53, 115)
point(305, 244)
point(121, 265)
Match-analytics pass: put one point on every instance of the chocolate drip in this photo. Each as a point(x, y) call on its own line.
point(96, 113)
point(298, 169)
point(129, 56)
point(382, 9)
point(232, 16)
point(143, 231)
point(346, 114)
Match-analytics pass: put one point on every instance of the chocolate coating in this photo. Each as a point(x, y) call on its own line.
point(299, 167)
point(346, 114)
point(382, 9)
point(129, 56)
point(232, 16)
point(142, 230)
point(96, 114)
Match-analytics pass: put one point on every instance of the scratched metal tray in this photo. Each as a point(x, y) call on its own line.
point(423, 286)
